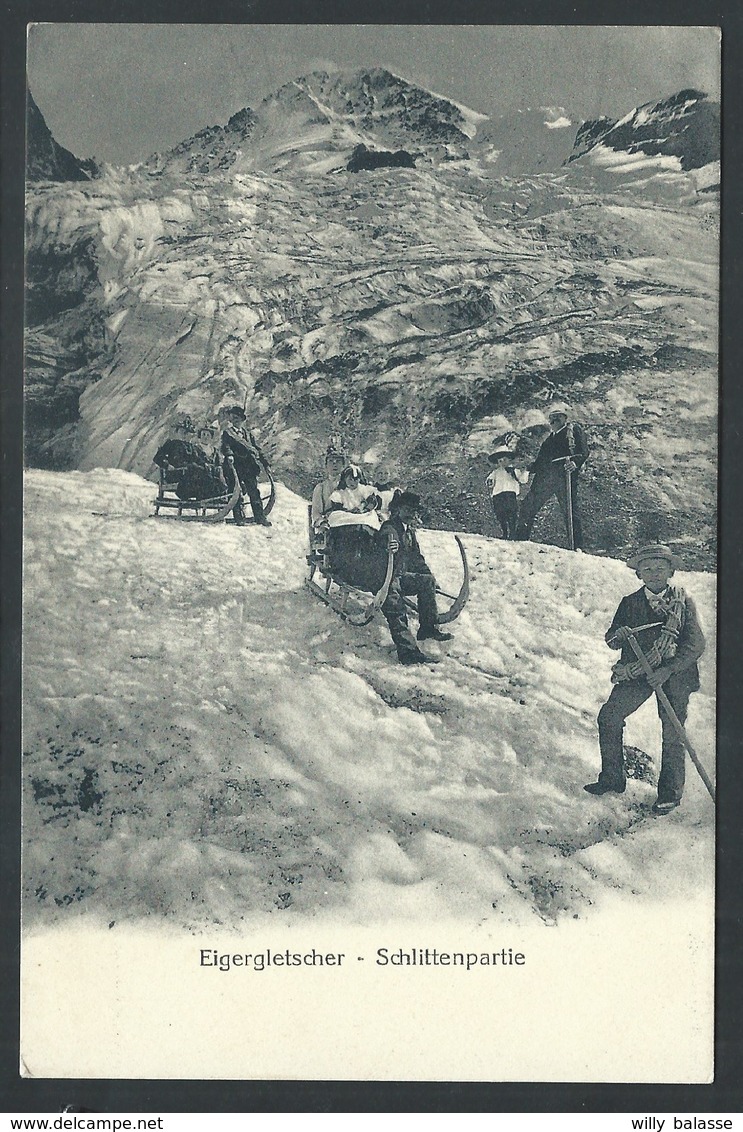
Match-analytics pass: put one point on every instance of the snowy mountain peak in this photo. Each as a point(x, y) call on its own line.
point(684, 126)
point(315, 122)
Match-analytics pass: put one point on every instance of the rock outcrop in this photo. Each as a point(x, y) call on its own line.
point(363, 158)
point(45, 159)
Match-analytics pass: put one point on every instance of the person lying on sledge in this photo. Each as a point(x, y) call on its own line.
point(184, 463)
point(243, 457)
point(411, 577)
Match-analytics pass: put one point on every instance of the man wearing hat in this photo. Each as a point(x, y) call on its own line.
point(565, 446)
point(666, 626)
point(410, 577)
point(246, 457)
point(504, 483)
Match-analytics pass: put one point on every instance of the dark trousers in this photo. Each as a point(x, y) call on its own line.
point(422, 586)
point(625, 699)
point(542, 490)
point(248, 475)
point(506, 511)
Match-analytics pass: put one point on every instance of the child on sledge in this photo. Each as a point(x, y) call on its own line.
point(208, 481)
point(504, 483)
point(672, 646)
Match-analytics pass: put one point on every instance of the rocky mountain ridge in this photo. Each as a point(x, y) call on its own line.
point(685, 127)
point(313, 124)
point(46, 160)
point(419, 311)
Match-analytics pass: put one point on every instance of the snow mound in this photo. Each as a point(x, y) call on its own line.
point(205, 742)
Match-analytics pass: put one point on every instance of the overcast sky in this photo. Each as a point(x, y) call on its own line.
point(119, 92)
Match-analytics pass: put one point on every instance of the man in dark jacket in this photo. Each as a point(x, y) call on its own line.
point(672, 648)
point(565, 446)
point(242, 456)
point(410, 577)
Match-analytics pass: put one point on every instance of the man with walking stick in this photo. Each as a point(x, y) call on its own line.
point(561, 456)
point(658, 631)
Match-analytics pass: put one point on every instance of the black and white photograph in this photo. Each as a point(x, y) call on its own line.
point(370, 552)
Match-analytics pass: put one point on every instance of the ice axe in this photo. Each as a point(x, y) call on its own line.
point(663, 698)
point(568, 489)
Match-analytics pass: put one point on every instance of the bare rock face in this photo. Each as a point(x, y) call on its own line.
point(45, 159)
point(419, 312)
point(589, 135)
point(363, 158)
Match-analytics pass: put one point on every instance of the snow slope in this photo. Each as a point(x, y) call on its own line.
point(205, 743)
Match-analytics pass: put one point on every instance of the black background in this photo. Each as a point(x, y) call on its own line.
point(102, 1096)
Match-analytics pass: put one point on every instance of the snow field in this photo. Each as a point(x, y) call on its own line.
point(206, 743)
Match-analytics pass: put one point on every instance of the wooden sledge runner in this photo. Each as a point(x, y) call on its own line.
point(351, 602)
point(213, 510)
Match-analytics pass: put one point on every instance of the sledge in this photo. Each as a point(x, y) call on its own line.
point(212, 510)
point(353, 602)
point(459, 601)
point(268, 500)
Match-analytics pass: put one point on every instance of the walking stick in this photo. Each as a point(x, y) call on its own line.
point(568, 488)
point(670, 712)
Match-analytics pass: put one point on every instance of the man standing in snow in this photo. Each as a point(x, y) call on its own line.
point(410, 577)
point(565, 447)
point(242, 454)
point(672, 643)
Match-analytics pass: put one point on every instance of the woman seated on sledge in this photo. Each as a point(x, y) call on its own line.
point(335, 463)
point(185, 466)
point(353, 522)
point(354, 502)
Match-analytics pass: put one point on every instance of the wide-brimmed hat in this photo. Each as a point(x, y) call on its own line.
point(500, 453)
point(233, 411)
point(558, 407)
point(404, 499)
point(652, 550)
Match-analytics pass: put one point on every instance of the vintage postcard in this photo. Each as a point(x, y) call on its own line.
point(370, 536)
